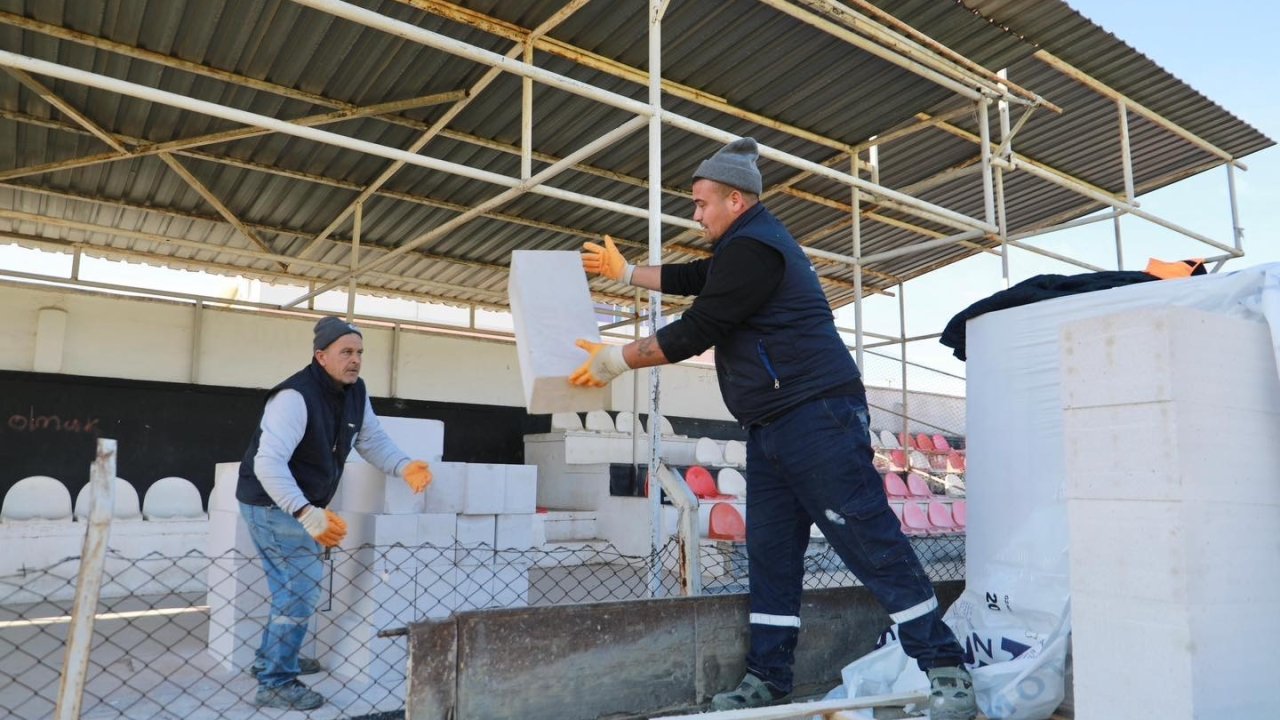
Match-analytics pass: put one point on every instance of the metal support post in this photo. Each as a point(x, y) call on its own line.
point(197, 325)
point(856, 226)
point(394, 373)
point(355, 261)
point(1237, 232)
point(689, 545)
point(902, 327)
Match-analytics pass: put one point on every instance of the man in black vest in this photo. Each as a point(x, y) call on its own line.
point(288, 476)
point(788, 378)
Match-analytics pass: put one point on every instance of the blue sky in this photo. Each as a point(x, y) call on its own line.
point(1229, 52)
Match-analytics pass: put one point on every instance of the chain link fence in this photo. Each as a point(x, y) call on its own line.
point(174, 637)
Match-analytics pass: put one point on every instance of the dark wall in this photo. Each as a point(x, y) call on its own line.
point(49, 424)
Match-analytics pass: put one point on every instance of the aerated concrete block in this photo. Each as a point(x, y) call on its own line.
point(476, 534)
point(362, 489)
point(551, 308)
point(485, 489)
point(225, 478)
point(400, 499)
point(1170, 420)
point(520, 489)
point(514, 532)
point(419, 438)
point(447, 488)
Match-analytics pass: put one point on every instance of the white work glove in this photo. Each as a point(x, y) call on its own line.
point(604, 364)
point(324, 525)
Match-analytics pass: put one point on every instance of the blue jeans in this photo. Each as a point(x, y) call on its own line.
point(813, 464)
point(291, 558)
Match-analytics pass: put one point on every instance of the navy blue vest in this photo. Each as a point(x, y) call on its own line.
point(334, 417)
point(789, 350)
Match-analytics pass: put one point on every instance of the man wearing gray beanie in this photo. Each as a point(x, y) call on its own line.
point(288, 475)
point(788, 378)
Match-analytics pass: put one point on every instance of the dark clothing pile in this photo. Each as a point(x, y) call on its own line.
point(1035, 289)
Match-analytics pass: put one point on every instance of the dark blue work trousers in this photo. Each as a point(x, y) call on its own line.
point(813, 464)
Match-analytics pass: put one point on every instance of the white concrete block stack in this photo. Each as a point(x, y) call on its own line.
point(1170, 423)
point(462, 544)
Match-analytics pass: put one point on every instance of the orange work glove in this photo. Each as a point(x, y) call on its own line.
point(606, 260)
point(324, 525)
point(605, 364)
point(417, 475)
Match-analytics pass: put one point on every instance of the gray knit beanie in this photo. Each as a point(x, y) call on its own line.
point(331, 328)
point(734, 165)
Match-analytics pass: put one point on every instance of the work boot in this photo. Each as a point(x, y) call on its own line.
point(751, 692)
point(292, 695)
point(306, 666)
point(951, 694)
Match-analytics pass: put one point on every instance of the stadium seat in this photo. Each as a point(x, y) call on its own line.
point(896, 507)
point(954, 485)
point(955, 463)
point(895, 488)
point(702, 484)
point(960, 513)
point(38, 497)
point(906, 442)
point(940, 444)
point(125, 505)
point(708, 452)
point(898, 461)
point(735, 453)
point(726, 523)
point(172, 498)
point(888, 441)
point(940, 518)
point(918, 487)
point(918, 460)
point(730, 482)
point(924, 444)
point(915, 519)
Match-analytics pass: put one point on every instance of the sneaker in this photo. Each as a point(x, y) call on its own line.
point(752, 692)
point(306, 666)
point(292, 695)
point(951, 694)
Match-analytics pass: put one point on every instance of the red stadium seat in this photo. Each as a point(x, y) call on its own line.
point(703, 485)
point(726, 523)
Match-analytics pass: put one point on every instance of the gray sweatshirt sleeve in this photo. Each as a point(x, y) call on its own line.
point(284, 420)
point(376, 447)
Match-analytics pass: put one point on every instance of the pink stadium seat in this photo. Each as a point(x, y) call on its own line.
point(907, 442)
point(915, 519)
point(940, 518)
point(702, 484)
point(895, 488)
point(918, 487)
point(955, 462)
point(923, 443)
point(897, 510)
point(940, 444)
point(960, 513)
point(898, 461)
point(726, 523)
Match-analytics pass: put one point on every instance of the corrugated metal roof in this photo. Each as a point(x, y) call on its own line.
point(280, 59)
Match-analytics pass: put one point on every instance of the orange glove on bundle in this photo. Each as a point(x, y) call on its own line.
point(606, 260)
point(324, 525)
point(417, 475)
point(605, 364)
